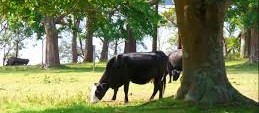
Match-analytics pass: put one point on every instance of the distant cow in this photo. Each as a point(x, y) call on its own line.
point(175, 64)
point(139, 68)
point(16, 61)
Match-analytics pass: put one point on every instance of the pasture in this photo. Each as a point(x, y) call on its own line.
point(30, 89)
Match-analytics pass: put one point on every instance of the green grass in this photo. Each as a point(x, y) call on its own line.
point(30, 89)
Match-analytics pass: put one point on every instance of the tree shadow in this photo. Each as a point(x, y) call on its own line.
point(243, 68)
point(165, 105)
point(61, 69)
point(157, 106)
point(65, 69)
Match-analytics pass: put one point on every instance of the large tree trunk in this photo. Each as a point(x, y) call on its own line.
point(154, 43)
point(52, 53)
point(254, 56)
point(104, 53)
point(179, 45)
point(204, 77)
point(74, 39)
point(130, 43)
point(89, 39)
point(179, 9)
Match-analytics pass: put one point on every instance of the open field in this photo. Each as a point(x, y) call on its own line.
point(29, 89)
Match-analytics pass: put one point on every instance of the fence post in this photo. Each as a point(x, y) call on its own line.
point(93, 57)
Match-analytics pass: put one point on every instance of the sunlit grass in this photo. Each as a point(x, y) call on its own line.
point(27, 89)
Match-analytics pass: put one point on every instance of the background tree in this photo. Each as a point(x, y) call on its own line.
point(243, 15)
point(232, 48)
point(65, 51)
point(6, 44)
point(90, 27)
point(204, 78)
point(154, 35)
point(130, 42)
point(43, 16)
point(75, 30)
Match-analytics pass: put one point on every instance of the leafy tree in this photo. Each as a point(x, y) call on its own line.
point(170, 16)
point(243, 14)
point(233, 47)
point(43, 16)
point(6, 44)
point(73, 24)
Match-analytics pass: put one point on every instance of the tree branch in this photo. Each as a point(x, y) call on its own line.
point(153, 2)
point(59, 19)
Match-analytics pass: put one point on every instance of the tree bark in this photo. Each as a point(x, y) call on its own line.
point(115, 47)
point(16, 48)
point(104, 53)
point(81, 47)
point(179, 45)
point(74, 40)
point(130, 43)
point(204, 77)
point(245, 37)
point(89, 39)
point(179, 9)
point(154, 42)
point(52, 56)
point(254, 56)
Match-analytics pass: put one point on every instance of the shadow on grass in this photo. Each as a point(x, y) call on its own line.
point(61, 69)
point(242, 68)
point(166, 105)
point(67, 68)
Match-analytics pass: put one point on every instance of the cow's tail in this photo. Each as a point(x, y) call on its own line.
point(164, 82)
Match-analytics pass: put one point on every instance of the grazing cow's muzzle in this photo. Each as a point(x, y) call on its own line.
point(98, 92)
point(176, 74)
point(94, 98)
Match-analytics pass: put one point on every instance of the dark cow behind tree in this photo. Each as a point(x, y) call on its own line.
point(139, 68)
point(16, 61)
point(175, 64)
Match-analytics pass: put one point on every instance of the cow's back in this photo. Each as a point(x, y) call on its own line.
point(139, 68)
point(142, 67)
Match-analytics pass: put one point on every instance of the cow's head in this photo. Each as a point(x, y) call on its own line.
point(176, 74)
point(98, 92)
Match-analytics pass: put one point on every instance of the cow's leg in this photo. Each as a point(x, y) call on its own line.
point(162, 87)
point(156, 87)
point(126, 89)
point(115, 93)
point(169, 69)
point(160, 91)
point(170, 76)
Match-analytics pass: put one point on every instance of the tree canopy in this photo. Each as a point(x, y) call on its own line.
point(243, 13)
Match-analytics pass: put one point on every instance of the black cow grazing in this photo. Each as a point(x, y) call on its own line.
point(139, 68)
point(175, 64)
point(16, 61)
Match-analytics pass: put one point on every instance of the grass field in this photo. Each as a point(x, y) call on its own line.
point(30, 89)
